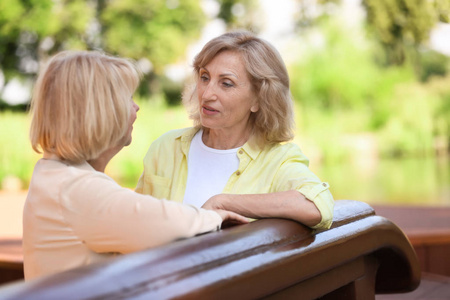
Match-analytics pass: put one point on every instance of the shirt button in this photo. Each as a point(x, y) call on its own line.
point(324, 184)
point(240, 151)
point(238, 173)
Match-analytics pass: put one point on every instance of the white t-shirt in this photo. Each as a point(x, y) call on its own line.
point(208, 171)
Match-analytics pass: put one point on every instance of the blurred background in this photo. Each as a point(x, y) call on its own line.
point(370, 80)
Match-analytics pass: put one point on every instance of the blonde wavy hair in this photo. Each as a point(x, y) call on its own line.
point(274, 121)
point(81, 104)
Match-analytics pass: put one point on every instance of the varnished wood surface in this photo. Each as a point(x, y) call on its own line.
point(11, 260)
point(360, 255)
point(421, 224)
point(11, 252)
point(432, 286)
point(428, 229)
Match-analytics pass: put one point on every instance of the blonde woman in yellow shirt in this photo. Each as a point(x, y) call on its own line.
point(236, 156)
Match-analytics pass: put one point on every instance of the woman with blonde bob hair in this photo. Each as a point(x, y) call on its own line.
point(95, 110)
point(82, 116)
point(236, 156)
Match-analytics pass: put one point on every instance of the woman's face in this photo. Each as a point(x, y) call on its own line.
point(226, 94)
point(133, 110)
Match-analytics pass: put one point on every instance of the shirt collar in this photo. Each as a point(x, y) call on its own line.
point(188, 134)
point(186, 137)
point(84, 165)
point(251, 147)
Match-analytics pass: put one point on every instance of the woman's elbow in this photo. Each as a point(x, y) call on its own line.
point(321, 216)
point(312, 218)
point(323, 222)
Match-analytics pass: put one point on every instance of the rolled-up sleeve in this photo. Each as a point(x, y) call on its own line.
point(294, 174)
point(322, 198)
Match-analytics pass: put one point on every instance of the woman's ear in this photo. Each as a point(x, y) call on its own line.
point(254, 108)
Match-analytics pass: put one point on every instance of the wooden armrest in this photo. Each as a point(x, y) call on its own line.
point(11, 260)
point(362, 254)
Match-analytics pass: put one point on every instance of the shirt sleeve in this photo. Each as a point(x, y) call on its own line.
point(110, 218)
point(140, 184)
point(294, 174)
point(158, 164)
point(149, 163)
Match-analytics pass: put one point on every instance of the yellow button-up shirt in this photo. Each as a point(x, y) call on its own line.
point(267, 169)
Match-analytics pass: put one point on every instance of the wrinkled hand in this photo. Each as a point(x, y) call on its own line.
point(215, 202)
point(230, 218)
point(218, 204)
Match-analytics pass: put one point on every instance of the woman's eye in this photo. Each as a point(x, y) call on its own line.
point(227, 84)
point(204, 78)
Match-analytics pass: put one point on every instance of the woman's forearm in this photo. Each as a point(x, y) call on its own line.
point(288, 204)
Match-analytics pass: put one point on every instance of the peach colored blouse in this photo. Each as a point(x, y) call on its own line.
point(75, 216)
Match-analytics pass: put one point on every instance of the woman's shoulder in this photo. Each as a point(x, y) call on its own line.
point(172, 135)
point(169, 141)
point(284, 151)
point(53, 177)
point(81, 173)
point(288, 147)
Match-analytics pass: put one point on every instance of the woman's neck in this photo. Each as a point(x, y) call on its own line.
point(100, 163)
point(223, 140)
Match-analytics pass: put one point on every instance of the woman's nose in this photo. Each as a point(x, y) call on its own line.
point(209, 92)
point(136, 107)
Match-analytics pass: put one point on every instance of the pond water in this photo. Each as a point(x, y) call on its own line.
point(415, 181)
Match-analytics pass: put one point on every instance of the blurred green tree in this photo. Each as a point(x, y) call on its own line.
point(343, 91)
point(239, 14)
point(402, 27)
point(154, 32)
point(31, 29)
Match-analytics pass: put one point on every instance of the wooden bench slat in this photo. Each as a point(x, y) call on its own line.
point(361, 254)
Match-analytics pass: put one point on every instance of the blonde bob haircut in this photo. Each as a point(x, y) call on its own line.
point(81, 104)
point(274, 121)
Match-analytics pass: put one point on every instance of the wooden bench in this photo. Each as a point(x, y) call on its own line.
point(361, 255)
point(11, 260)
point(428, 230)
point(432, 286)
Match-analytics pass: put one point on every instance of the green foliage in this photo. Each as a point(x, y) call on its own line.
point(239, 14)
point(226, 13)
point(431, 64)
point(157, 30)
point(172, 91)
point(409, 130)
point(151, 29)
point(402, 24)
point(443, 9)
point(16, 156)
point(25, 24)
point(347, 99)
point(341, 73)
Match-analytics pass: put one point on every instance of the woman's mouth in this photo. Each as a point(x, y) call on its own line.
point(208, 110)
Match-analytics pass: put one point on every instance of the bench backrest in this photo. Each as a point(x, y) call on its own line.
point(362, 254)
